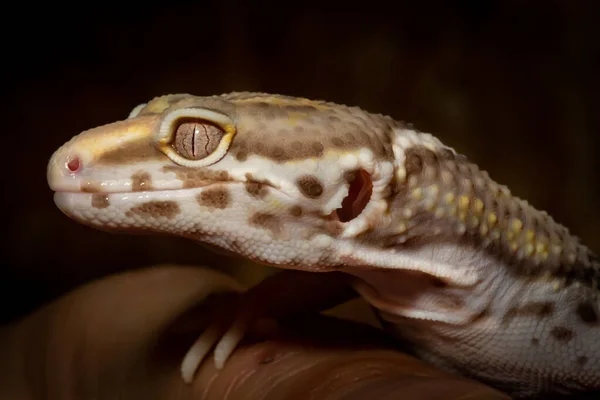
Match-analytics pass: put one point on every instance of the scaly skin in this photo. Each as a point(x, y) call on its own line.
point(477, 280)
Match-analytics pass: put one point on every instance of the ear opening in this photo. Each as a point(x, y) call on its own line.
point(359, 194)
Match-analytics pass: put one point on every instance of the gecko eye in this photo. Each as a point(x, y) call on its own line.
point(195, 140)
point(195, 137)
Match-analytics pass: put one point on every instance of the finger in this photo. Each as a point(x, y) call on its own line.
point(100, 335)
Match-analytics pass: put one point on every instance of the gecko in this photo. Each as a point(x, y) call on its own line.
point(475, 279)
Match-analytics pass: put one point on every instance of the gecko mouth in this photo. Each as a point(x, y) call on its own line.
point(70, 201)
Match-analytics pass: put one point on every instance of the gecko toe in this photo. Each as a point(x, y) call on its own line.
point(199, 350)
point(229, 342)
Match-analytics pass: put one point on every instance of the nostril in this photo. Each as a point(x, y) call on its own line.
point(73, 164)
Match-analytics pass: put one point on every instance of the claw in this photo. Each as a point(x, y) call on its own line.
point(214, 282)
point(229, 342)
point(196, 354)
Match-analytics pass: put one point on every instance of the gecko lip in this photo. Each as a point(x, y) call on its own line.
point(67, 201)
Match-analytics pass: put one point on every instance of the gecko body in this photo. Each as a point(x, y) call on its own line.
point(477, 280)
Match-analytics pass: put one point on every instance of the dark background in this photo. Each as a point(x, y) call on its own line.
point(512, 84)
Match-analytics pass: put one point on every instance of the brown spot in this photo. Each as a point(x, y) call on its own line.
point(266, 221)
point(587, 313)
point(540, 309)
point(562, 334)
point(582, 360)
point(336, 141)
point(100, 201)
point(317, 148)
point(296, 211)
point(141, 181)
point(310, 186)
point(278, 153)
point(197, 177)
point(256, 189)
point(349, 176)
point(90, 187)
point(414, 162)
point(155, 209)
point(301, 108)
point(241, 156)
point(217, 197)
point(535, 341)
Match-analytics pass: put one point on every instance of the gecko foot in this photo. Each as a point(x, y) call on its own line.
point(222, 339)
point(256, 311)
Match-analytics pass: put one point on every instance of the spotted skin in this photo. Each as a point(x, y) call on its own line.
point(477, 280)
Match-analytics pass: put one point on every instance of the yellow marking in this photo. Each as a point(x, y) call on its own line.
point(408, 213)
point(541, 247)
point(530, 235)
point(294, 117)
point(98, 141)
point(453, 211)
point(449, 198)
point(276, 204)
point(434, 190)
point(158, 105)
point(417, 194)
point(478, 206)
point(544, 255)
point(401, 174)
point(517, 225)
point(462, 215)
point(483, 229)
point(529, 249)
point(496, 234)
point(510, 236)
point(514, 246)
point(402, 227)
point(492, 219)
point(430, 146)
point(474, 221)
point(463, 202)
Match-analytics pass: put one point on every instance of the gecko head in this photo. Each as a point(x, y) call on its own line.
point(272, 178)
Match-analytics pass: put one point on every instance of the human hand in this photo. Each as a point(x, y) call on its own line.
point(124, 337)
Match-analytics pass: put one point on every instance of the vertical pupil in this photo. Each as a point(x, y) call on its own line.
point(194, 133)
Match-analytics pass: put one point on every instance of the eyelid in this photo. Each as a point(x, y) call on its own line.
point(134, 113)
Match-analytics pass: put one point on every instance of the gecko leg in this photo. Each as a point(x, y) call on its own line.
point(278, 296)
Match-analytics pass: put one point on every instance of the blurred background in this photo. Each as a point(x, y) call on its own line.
point(512, 84)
